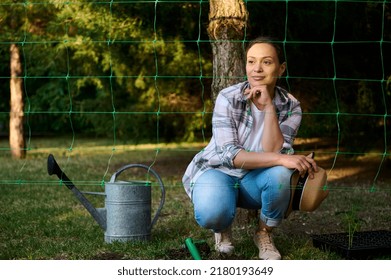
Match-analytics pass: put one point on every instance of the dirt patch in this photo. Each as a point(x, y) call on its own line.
point(108, 256)
point(184, 253)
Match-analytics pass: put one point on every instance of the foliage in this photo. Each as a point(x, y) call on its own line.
point(95, 68)
point(92, 59)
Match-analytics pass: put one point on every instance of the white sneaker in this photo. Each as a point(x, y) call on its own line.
point(267, 250)
point(223, 242)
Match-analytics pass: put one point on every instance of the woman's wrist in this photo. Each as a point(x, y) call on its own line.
point(266, 107)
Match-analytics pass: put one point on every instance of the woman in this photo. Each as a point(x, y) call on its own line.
point(249, 159)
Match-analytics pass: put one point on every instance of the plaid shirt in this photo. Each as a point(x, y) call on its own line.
point(232, 123)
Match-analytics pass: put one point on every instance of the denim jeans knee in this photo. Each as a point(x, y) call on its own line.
point(214, 198)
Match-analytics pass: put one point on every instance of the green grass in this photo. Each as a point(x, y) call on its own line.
point(41, 219)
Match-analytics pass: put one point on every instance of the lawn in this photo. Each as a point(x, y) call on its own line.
point(41, 219)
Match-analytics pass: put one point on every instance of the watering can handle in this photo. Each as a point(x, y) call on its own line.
point(149, 169)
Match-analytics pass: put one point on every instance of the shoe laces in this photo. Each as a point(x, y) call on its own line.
point(266, 240)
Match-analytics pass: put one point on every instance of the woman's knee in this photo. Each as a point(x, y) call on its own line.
point(216, 218)
point(214, 199)
point(280, 176)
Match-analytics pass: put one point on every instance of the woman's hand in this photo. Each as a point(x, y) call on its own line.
point(302, 163)
point(260, 96)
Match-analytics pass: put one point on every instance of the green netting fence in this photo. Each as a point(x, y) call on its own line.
point(136, 72)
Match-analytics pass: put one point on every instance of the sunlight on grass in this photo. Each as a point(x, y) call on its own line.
point(41, 219)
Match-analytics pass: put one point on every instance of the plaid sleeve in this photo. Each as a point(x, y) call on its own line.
point(224, 123)
point(291, 120)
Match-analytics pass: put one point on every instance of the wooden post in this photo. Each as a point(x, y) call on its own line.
point(16, 135)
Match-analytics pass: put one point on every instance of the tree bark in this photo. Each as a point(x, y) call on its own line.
point(16, 135)
point(226, 30)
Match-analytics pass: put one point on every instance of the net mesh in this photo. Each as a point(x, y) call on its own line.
point(71, 49)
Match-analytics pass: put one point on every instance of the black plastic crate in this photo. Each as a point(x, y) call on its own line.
point(365, 245)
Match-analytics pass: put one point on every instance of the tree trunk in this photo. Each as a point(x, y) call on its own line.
point(16, 135)
point(226, 30)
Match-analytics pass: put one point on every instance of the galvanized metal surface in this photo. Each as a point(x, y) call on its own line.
point(127, 212)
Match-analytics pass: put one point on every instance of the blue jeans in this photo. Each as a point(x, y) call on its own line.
point(216, 196)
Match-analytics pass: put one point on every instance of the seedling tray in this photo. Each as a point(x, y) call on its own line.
point(365, 245)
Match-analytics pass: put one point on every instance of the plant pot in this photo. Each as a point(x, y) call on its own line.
point(365, 245)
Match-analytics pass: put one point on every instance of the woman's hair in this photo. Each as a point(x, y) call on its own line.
point(270, 41)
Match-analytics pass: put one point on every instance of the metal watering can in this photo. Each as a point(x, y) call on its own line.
point(127, 212)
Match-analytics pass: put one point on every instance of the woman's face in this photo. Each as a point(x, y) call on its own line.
point(263, 66)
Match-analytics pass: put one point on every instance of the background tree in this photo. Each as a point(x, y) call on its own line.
point(226, 30)
point(12, 23)
point(16, 127)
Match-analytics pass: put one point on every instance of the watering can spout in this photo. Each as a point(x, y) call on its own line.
point(99, 216)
